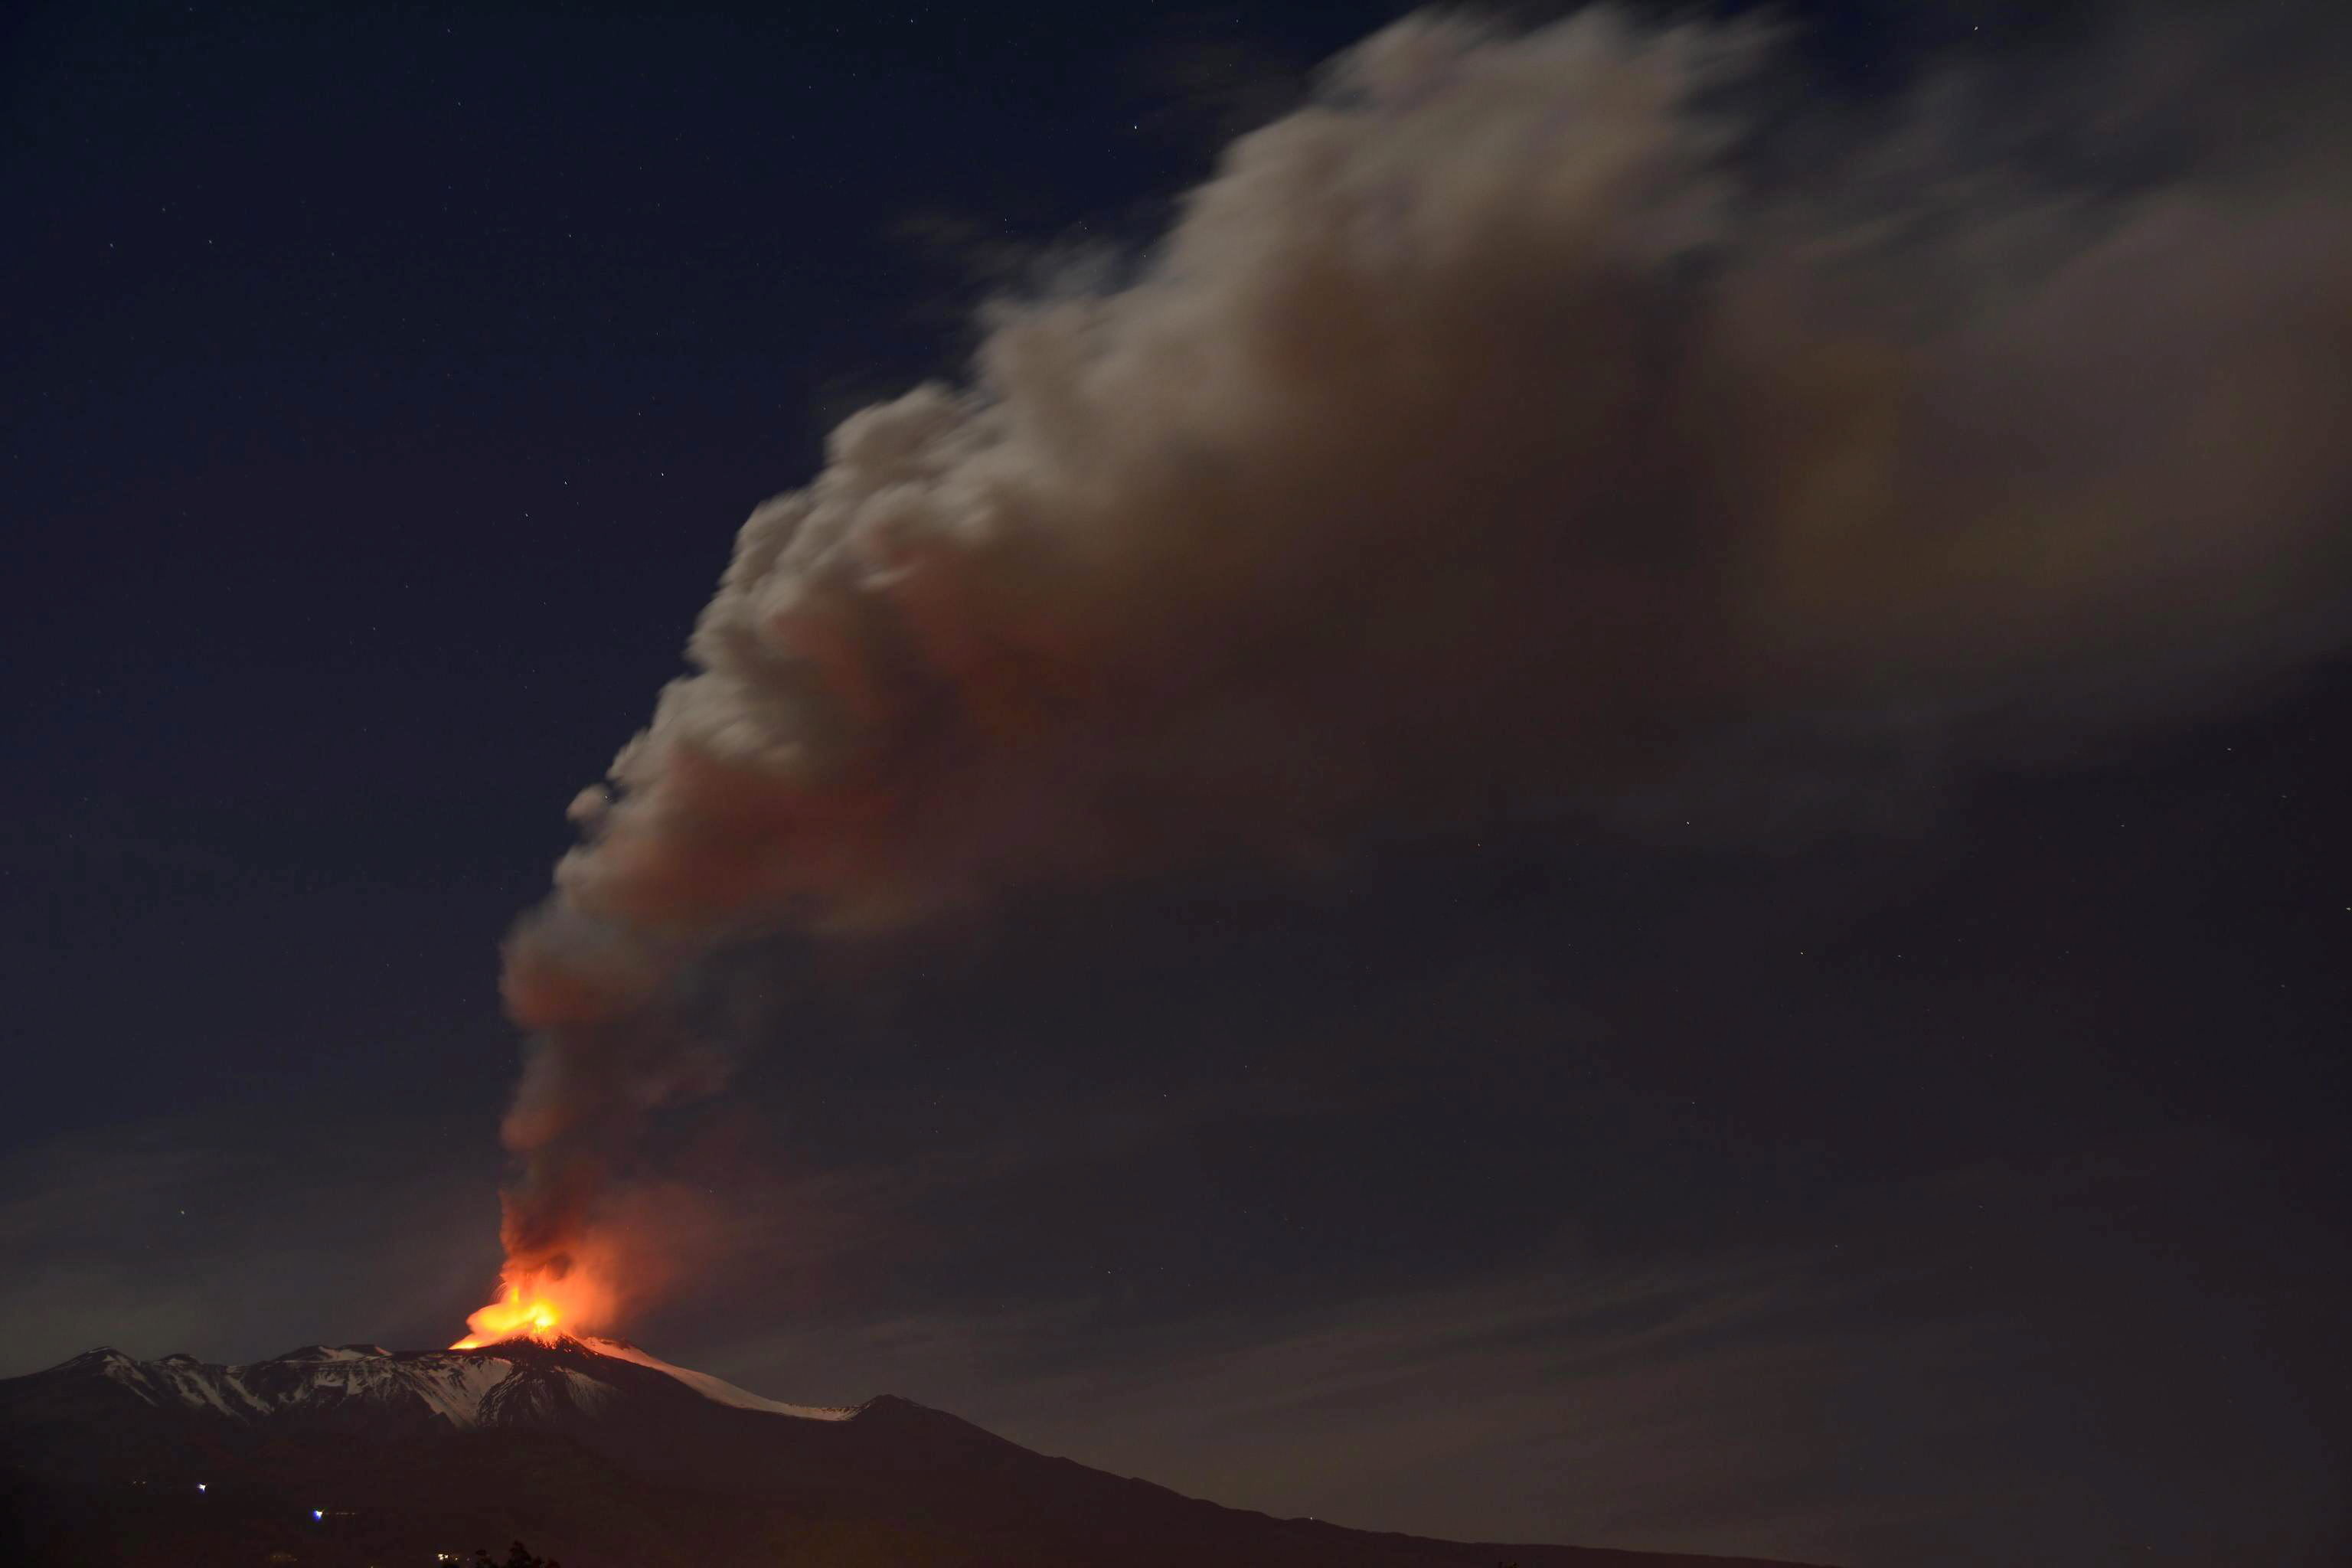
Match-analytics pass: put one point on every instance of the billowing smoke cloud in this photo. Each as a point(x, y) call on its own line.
point(1516, 432)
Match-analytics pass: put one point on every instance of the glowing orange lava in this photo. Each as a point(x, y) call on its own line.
point(511, 1319)
point(579, 1293)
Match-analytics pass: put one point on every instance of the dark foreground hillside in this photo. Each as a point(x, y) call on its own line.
point(338, 1459)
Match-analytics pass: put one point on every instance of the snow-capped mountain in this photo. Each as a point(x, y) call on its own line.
point(339, 1456)
point(517, 1383)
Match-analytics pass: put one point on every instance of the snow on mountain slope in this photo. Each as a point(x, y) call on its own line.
point(516, 1381)
point(315, 1378)
point(710, 1387)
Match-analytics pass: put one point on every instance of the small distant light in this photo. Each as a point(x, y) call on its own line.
point(200, 1486)
point(318, 1513)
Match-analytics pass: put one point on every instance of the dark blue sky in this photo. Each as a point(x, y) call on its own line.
point(380, 390)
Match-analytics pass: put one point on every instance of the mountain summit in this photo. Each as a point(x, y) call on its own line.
point(599, 1454)
point(515, 1382)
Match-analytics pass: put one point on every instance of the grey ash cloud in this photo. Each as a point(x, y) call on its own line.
point(1516, 434)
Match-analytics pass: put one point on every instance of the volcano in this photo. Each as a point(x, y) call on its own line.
point(598, 1454)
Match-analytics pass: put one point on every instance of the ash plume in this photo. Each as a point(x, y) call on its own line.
point(1532, 427)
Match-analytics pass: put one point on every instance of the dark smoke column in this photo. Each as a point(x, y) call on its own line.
point(1497, 433)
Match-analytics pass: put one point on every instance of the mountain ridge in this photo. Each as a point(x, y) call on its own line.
point(605, 1455)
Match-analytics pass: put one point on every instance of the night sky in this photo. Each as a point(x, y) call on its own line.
point(1939, 1171)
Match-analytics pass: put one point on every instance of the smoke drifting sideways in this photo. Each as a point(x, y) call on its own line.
point(1519, 430)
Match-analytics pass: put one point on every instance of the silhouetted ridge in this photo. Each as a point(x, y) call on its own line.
point(599, 1453)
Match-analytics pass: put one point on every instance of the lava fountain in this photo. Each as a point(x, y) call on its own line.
point(512, 1318)
point(536, 1307)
